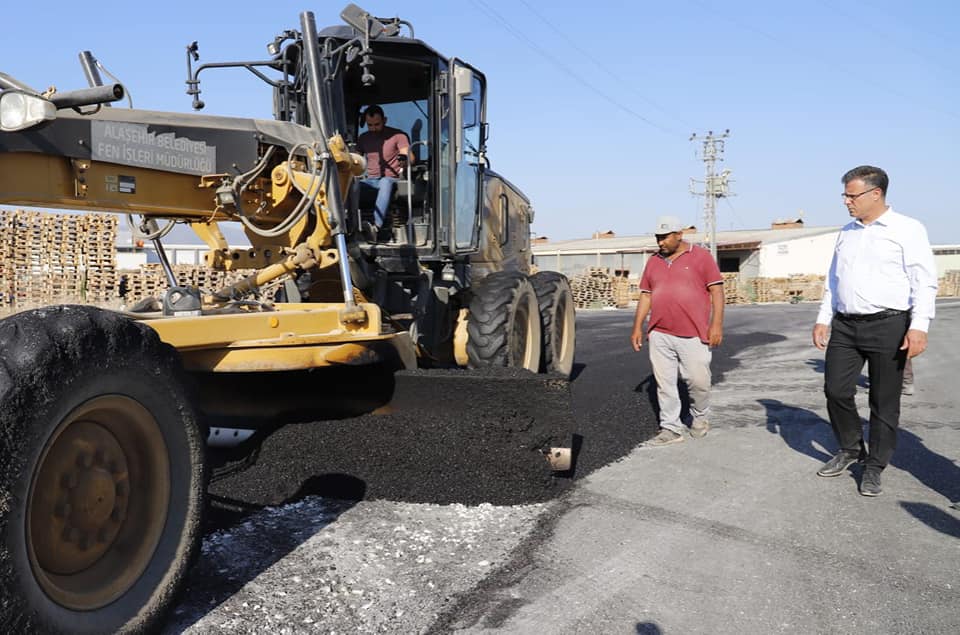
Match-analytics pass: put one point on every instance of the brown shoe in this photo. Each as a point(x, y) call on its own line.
point(699, 428)
point(665, 437)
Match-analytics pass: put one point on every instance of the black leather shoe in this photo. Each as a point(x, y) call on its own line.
point(870, 483)
point(838, 464)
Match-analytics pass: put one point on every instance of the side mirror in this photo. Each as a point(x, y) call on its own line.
point(463, 84)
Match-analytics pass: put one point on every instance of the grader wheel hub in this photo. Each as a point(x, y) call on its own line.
point(84, 518)
point(99, 502)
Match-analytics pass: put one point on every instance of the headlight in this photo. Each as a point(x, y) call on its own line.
point(19, 111)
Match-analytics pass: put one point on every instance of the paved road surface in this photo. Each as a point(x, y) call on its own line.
point(735, 533)
point(732, 533)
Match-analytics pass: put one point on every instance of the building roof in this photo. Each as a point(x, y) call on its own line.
point(739, 239)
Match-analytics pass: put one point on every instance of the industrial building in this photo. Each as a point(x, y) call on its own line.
point(785, 249)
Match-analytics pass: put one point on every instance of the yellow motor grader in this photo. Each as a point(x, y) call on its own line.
point(106, 415)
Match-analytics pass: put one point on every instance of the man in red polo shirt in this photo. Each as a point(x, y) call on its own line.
point(682, 290)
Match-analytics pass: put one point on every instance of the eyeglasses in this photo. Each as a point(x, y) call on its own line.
point(854, 197)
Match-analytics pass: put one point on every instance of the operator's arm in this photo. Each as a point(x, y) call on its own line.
point(643, 308)
point(403, 150)
point(717, 302)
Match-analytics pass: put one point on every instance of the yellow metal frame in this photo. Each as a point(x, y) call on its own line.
point(295, 337)
point(28, 178)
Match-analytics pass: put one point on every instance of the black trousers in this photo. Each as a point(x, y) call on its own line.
point(878, 344)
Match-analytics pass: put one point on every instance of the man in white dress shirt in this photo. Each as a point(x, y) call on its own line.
point(877, 306)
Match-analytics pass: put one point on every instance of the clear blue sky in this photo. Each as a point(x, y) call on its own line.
point(591, 104)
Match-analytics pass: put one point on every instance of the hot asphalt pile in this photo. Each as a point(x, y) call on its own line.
point(467, 437)
point(387, 523)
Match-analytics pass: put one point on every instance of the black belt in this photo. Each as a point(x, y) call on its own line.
point(869, 317)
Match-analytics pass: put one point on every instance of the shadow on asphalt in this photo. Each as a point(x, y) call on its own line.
point(806, 432)
point(576, 370)
point(936, 471)
point(802, 430)
point(723, 361)
point(934, 518)
point(648, 628)
point(733, 345)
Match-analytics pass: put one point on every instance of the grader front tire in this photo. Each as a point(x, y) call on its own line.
point(102, 473)
point(558, 322)
point(504, 323)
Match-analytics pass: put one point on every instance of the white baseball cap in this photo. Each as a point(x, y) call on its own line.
point(668, 225)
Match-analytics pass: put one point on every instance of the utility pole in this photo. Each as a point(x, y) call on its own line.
point(714, 185)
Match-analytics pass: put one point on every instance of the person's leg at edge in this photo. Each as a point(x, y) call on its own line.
point(908, 377)
point(665, 364)
point(384, 193)
point(695, 359)
point(844, 361)
point(881, 343)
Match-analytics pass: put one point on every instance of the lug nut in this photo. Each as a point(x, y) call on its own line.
point(84, 542)
point(62, 509)
point(70, 534)
point(123, 488)
point(113, 466)
point(102, 535)
point(117, 515)
point(84, 460)
point(68, 480)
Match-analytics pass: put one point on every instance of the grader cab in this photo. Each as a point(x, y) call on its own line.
point(105, 415)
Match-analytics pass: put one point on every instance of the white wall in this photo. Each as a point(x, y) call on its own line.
point(946, 262)
point(130, 260)
point(801, 256)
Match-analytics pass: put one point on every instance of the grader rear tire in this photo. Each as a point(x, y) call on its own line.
point(558, 322)
point(503, 329)
point(102, 473)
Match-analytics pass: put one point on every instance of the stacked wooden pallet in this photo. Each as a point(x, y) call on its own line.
point(151, 282)
point(7, 275)
point(792, 289)
point(949, 284)
point(100, 258)
point(147, 282)
point(593, 289)
point(731, 289)
point(624, 291)
point(48, 258)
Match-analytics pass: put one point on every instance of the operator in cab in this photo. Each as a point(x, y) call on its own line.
point(387, 151)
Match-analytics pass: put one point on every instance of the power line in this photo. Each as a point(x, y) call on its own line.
point(914, 26)
point(603, 67)
point(860, 18)
point(832, 63)
point(503, 22)
point(734, 211)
